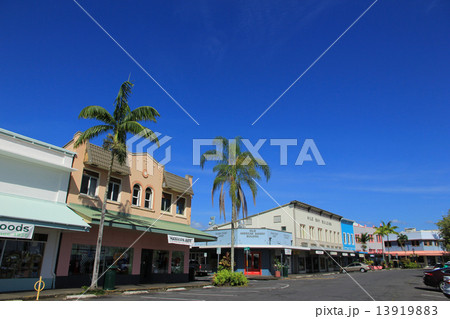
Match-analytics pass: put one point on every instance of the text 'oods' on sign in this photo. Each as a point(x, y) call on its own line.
point(180, 240)
point(16, 230)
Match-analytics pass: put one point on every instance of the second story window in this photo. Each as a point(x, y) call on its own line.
point(166, 201)
point(113, 189)
point(148, 202)
point(136, 200)
point(181, 204)
point(89, 183)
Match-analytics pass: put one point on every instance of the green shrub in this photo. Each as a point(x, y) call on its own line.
point(238, 279)
point(411, 265)
point(225, 277)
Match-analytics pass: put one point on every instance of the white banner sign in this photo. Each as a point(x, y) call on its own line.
point(344, 254)
point(319, 252)
point(16, 230)
point(180, 240)
point(288, 251)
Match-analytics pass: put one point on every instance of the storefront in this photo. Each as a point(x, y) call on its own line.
point(145, 249)
point(30, 231)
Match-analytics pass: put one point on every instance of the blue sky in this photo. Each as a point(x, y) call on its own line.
point(376, 104)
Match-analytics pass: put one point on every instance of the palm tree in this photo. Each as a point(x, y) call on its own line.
point(116, 126)
point(234, 169)
point(385, 230)
point(401, 240)
point(363, 239)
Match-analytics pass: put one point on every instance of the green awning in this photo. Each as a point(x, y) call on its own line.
point(151, 225)
point(40, 213)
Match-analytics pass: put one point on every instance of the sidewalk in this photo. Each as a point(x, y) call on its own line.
point(62, 294)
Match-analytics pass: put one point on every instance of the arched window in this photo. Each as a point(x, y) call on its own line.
point(136, 200)
point(148, 201)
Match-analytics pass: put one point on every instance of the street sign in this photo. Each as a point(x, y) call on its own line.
point(247, 248)
point(219, 250)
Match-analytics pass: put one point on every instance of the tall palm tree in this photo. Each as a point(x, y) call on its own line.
point(363, 239)
point(401, 240)
point(234, 169)
point(385, 230)
point(116, 126)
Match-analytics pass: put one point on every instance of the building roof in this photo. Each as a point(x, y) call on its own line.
point(98, 156)
point(35, 142)
point(177, 183)
point(40, 213)
point(151, 225)
point(294, 202)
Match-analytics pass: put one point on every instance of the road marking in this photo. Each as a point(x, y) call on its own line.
point(284, 287)
point(205, 294)
point(169, 298)
point(136, 292)
point(175, 289)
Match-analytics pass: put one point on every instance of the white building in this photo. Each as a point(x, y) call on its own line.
point(34, 179)
point(315, 232)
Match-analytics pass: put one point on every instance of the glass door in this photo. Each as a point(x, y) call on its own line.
point(253, 263)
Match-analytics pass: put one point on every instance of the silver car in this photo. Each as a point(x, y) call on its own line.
point(357, 266)
point(446, 287)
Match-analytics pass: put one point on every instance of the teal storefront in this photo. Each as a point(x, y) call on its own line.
point(30, 231)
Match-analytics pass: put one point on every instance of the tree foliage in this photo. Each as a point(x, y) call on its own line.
point(444, 231)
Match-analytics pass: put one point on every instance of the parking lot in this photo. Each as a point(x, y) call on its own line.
point(390, 285)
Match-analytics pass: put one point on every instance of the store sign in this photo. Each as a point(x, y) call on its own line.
point(351, 254)
point(16, 230)
point(333, 253)
point(180, 240)
point(319, 252)
point(288, 251)
point(344, 254)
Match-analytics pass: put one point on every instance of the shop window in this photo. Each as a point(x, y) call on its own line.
point(136, 200)
point(21, 259)
point(301, 263)
point(181, 204)
point(82, 259)
point(160, 262)
point(177, 265)
point(148, 202)
point(114, 189)
point(89, 183)
point(166, 201)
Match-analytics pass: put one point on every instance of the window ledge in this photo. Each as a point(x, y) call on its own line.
point(181, 216)
point(88, 196)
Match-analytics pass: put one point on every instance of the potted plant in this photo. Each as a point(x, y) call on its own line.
point(278, 267)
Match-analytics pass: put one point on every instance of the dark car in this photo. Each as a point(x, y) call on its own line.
point(435, 277)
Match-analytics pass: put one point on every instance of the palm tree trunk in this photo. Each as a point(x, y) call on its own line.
point(233, 221)
point(98, 249)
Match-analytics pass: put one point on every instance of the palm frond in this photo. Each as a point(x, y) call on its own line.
point(92, 132)
point(142, 113)
point(137, 129)
point(121, 107)
point(97, 113)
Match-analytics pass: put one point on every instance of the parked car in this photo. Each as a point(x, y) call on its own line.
point(446, 288)
point(199, 269)
point(435, 277)
point(356, 267)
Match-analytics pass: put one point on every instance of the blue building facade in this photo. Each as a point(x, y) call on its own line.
point(348, 234)
point(255, 249)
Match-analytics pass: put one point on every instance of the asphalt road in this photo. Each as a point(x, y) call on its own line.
point(393, 285)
